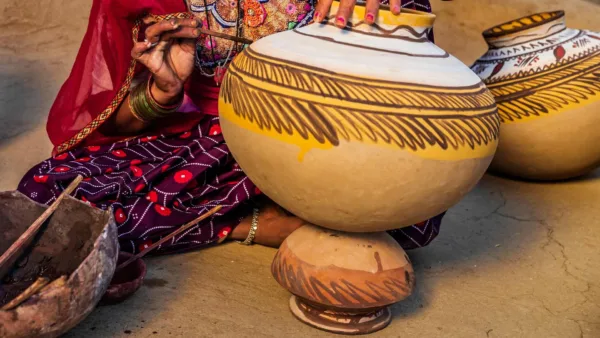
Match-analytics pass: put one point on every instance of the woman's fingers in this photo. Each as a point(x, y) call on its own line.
point(139, 48)
point(155, 32)
point(344, 12)
point(395, 6)
point(372, 8)
point(322, 10)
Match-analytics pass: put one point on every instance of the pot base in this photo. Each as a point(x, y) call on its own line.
point(336, 321)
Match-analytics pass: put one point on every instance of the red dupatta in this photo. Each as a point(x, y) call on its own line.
point(102, 74)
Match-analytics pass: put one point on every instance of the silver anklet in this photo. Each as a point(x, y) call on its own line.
point(253, 227)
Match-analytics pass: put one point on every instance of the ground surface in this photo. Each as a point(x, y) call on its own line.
point(514, 259)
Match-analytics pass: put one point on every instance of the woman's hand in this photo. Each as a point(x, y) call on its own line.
point(169, 54)
point(347, 7)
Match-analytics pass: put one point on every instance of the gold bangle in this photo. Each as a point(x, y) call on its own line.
point(253, 227)
point(143, 106)
point(133, 110)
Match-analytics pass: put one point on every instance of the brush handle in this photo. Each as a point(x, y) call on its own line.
point(225, 36)
point(171, 235)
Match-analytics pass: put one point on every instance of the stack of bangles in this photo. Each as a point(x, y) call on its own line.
point(145, 108)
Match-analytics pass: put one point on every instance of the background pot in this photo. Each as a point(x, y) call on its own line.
point(546, 80)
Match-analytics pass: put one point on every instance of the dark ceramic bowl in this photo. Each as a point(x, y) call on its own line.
point(126, 281)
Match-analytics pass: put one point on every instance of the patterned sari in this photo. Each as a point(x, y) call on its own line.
point(174, 172)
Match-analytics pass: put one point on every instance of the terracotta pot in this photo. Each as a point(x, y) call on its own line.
point(365, 129)
point(339, 278)
point(79, 242)
point(546, 80)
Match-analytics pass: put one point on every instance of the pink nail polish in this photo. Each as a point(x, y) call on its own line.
point(370, 17)
point(317, 16)
point(396, 9)
point(341, 20)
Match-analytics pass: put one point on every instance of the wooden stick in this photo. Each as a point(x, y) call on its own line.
point(30, 291)
point(225, 36)
point(171, 235)
point(10, 256)
point(59, 282)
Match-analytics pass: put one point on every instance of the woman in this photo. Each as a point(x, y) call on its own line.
point(138, 119)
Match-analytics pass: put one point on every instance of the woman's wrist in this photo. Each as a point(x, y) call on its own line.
point(146, 107)
point(166, 97)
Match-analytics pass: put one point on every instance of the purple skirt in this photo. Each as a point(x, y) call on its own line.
point(155, 184)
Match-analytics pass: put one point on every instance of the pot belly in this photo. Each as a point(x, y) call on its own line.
point(354, 186)
point(557, 146)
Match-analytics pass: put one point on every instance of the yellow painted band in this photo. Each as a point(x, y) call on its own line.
point(407, 17)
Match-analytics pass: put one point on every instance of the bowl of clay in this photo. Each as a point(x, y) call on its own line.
point(126, 281)
point(76, 251)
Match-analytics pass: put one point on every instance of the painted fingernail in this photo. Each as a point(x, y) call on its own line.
point(317, 16)
point(341, 21)
point(396, 9)
point(370, 17)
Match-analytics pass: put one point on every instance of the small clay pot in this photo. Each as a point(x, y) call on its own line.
point(126, 281)
point(343, 282)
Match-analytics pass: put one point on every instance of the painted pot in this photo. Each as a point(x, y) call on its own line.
point(364, 129)
point(341, 278)
point(546, 81)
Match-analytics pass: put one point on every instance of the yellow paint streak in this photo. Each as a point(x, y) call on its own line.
point(226, 112)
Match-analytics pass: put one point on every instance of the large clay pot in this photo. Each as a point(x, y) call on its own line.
point(365, 129)
point(546, 80)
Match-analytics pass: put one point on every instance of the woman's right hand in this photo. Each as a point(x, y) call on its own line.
point(169, 54)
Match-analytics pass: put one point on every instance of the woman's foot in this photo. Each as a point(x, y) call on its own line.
point(274, 225)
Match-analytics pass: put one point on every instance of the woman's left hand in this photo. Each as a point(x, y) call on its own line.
point(347, 7)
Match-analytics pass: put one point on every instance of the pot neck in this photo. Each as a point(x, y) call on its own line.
point(386, 22)
point(525, 29)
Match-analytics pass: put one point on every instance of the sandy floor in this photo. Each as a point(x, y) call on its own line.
point(514, 259)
